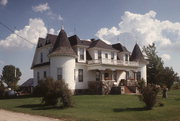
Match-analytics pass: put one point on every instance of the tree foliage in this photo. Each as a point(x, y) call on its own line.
point(156, 72)
point(155, 65)
point(11, 75)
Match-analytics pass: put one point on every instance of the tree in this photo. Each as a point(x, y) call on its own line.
point(11, 75)
point(169, 76)
point(156, 72)
point(155, 65)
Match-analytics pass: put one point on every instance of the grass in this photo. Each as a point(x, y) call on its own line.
point(101, 108)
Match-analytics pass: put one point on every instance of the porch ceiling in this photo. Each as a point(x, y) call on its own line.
point(113, 68)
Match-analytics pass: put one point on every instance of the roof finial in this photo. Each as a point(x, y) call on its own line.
point(62, 25)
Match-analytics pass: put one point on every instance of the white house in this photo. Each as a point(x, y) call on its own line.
point(78, 62)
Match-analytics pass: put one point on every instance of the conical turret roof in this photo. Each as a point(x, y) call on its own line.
point(137, 54)
point(62, 45)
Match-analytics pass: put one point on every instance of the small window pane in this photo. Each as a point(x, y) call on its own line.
point(59, 74)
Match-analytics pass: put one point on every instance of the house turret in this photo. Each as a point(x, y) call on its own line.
point(62, 60)
point(137, 54)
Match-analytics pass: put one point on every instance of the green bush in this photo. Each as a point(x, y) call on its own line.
point(148, 94)
point(51, 91)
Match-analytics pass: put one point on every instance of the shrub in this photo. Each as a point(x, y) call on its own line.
point(2, 89)
point(176, 86)
point(51, 91)
point(148, 93)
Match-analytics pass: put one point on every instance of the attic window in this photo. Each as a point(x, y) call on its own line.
point(99, 54)
point(81, 51)
point(112, 55)
point(126, 57)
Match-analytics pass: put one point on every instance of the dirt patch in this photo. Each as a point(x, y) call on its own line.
point(14, 116)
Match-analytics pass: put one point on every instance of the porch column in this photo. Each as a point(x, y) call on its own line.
point(112, 75)
point(102, 75)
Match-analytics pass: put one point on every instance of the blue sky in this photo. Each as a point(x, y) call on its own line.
point(125, 21)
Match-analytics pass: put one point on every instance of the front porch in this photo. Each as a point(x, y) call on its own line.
point(114, 80)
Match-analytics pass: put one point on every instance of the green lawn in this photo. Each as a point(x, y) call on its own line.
point(101, 108)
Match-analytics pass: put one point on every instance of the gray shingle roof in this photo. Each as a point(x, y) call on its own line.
point(100, 44)
point(28, 83)
point(62, 45)
point(137, 54)
point(120, 47)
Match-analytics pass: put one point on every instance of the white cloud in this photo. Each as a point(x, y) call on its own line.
point(54, 16)
point(35, 29)
point(45, 8)
point(3, 2)
point(144, 29)
point(41, 7)
point(166, 57)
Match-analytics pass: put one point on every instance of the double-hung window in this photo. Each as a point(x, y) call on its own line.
point(59, 74)
point(99, 54)
point(38, 77)
point(81, 51)
point(80, 75)
point(41, 58)
point(112, 55)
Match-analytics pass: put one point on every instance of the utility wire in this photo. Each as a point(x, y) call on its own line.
point(16, 34)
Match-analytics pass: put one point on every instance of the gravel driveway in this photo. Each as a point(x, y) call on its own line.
point(14, 116)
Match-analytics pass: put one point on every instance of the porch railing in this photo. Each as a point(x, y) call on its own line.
point(113, 62)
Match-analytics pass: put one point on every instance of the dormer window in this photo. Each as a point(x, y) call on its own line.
point(41, 58)
point(81, 51)
point(99, 54)
point(112, 55)
point(126, 57)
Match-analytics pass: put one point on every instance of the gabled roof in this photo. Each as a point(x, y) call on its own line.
point(120, 47)
point(74, 40)
point(41, 42)
point(28, 83)
point(100, 44)
point(62, 45)
point(137, 54)
point(50, 38)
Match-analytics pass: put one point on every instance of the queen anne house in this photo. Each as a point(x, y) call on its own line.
point(78, 62)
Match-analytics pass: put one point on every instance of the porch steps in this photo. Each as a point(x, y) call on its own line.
point(127, 90)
